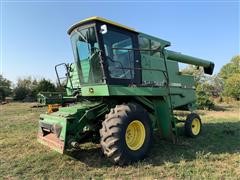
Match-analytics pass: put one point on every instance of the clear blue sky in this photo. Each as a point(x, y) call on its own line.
point(34, 36)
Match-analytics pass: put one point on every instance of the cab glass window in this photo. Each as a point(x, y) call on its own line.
point(155, 47)
point(86, 54)
point(119, 54)
point(149, 47)
point(144, 45)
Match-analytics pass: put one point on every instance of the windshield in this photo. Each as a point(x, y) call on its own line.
point(87, 55)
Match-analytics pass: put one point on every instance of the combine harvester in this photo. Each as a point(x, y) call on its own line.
point(123, 86)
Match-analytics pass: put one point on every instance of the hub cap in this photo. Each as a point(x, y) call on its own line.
point(135, 135)
point(196, 126)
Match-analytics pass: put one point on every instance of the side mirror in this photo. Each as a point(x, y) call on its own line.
point(103, 29)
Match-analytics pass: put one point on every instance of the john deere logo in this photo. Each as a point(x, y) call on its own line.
point(91, 90)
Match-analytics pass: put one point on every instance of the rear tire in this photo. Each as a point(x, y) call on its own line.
point(126, 134)
point(193, 125)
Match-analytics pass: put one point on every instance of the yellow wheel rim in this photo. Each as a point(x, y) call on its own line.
point(196, 126)
point(135, 135)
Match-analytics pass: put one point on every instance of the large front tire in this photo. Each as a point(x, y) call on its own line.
point(126, 134)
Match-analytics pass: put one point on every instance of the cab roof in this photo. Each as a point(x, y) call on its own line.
point(97, 18)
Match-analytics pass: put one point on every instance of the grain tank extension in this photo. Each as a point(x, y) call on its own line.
point(122, 87)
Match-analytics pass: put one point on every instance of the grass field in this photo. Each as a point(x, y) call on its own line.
point(214, 154)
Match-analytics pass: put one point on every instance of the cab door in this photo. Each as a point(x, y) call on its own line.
point(121, 57)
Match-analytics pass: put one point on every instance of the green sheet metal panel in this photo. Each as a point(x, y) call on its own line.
point(173, 71)
point(118, 90)
point(164, 117)
point(182, 96)
point(152, 70)
point(137, 91)
point(56, 120)
point(95, 90)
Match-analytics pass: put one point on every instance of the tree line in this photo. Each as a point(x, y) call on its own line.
point(25, 88)
point(224, 85)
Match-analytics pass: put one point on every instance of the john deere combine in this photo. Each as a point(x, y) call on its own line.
point(123, 86)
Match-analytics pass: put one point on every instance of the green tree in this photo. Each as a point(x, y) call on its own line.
point(230, 73)
point(29, 88)
point(232, 86)
point(5, 87)
point(27, 82)
point(203, 96)
point(25, 88)
point(217, 85)
point(45, 86)
point(20, 93)
point(230, 68)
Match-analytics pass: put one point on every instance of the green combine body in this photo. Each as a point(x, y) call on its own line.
point(123, 86)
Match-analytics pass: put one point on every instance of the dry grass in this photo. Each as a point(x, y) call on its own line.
point(213, 155)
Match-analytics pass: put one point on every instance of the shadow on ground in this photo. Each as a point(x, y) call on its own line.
point(216, 138)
